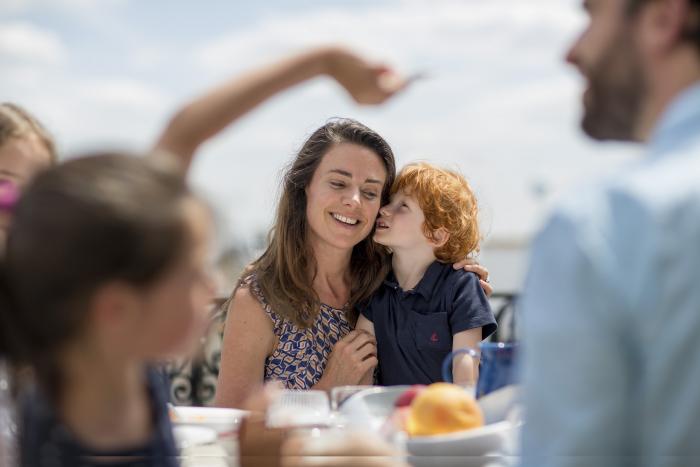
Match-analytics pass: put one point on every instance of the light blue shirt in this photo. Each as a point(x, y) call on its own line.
point(611, 314)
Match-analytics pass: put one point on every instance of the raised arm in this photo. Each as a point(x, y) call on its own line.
point(248, 340)
point(207, 115)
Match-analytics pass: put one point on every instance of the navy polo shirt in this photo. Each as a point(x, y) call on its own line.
point(414, 328)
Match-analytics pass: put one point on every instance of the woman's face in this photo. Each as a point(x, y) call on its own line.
point(344, 196)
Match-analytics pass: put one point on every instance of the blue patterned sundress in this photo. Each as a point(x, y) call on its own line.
point(301, 355)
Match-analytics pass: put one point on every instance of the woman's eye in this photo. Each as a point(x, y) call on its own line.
point(337, 184)
point(370, 195)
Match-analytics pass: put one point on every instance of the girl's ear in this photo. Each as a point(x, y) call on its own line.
point(113, 305)
point(440, 237)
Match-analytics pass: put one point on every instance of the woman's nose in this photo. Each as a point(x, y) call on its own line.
point(352, 198)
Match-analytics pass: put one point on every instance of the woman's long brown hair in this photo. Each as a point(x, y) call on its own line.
point(286, 269)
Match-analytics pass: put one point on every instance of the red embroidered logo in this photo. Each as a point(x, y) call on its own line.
point(434, 337)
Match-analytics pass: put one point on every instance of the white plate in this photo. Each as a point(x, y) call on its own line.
point(474, 442)
point(187, 436)
point(220, 419)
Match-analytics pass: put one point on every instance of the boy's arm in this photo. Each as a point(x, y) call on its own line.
point(207, 115)
point(465, 369)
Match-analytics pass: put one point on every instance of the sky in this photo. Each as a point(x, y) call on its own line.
point(499, 104)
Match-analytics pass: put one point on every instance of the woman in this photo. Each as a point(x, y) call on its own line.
point(292, 314)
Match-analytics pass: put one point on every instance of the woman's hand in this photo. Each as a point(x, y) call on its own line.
point(353, 357)
point(471, 265)
point(367, 83)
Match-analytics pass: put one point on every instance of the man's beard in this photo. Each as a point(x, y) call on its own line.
point(617, 89)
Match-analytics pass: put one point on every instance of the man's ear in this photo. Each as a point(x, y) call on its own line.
point(440, 237)
point(664, 23)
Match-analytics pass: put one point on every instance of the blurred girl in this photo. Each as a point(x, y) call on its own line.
point(104, 272)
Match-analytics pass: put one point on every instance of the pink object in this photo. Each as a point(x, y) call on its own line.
point(9, 195)
point(408, 395)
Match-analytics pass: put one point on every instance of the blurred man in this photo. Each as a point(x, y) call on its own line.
point(611, 309)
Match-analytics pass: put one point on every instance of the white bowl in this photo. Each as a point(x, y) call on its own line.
point(220, 419)
point(190, 436)
point(371, 407)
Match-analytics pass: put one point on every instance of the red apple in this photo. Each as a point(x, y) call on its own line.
point(406, 397)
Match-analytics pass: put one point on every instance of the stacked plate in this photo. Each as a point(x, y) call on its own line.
point(194, 426)
point(475, 447)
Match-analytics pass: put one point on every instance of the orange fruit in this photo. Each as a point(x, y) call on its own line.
point(443, 408)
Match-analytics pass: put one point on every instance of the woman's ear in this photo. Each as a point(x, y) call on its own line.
point(440, 237)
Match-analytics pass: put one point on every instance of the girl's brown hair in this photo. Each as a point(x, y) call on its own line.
point(15, 122)
point(77, 226)
point(286, 269)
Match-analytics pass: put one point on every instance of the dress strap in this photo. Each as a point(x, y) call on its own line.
point(251, 283)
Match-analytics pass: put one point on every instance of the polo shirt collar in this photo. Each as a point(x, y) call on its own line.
point(425, 285)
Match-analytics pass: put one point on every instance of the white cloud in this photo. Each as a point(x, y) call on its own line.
point(27, 43)
point(411, 31)
point(17, 6)
point(124, 93)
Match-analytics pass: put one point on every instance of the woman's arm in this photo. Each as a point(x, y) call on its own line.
point(465, 369)
point(248, 340)
point(209, 114)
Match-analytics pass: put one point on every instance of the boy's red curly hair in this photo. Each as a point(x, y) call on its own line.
point(447, 202)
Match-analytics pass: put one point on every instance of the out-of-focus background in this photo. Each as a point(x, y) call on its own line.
point(500, 104)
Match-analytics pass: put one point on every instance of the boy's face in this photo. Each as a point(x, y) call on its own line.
point(400, 224)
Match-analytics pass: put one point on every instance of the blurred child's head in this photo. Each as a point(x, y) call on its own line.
point(106, 253)
point(431, 208)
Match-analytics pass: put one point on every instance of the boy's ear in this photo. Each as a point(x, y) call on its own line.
point(440, 237)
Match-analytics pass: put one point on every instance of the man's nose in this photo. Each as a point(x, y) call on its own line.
point(572, 55)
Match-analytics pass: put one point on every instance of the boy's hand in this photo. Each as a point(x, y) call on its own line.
point(471, 265)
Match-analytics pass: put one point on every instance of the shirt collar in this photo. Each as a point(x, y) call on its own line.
point(427, 283)
point(678, 123)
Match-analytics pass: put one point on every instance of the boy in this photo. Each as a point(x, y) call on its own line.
point(425, 308)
